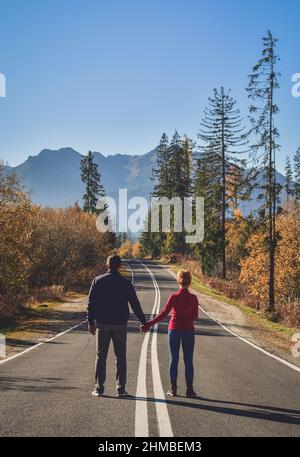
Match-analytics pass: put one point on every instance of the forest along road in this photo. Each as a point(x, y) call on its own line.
point(242, 391)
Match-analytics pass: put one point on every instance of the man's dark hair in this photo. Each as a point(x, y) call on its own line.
point(113, 262)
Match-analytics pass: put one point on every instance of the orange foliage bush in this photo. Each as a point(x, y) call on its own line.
point(136, 250)
point(254, 268)
point(125, 251)
point(43, 247)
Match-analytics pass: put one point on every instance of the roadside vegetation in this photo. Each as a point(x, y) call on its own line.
point(44, 252)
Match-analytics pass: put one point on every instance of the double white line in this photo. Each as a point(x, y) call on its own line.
point(141, 409)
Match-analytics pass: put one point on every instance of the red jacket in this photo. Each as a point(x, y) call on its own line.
point(184, 306)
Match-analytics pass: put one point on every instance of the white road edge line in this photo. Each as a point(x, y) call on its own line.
point(279, 359)
point(41, 343)
point(162, 413)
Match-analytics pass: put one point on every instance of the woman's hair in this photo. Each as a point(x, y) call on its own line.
point(184, 278)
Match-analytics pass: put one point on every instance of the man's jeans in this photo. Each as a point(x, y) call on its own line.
point(118, 334)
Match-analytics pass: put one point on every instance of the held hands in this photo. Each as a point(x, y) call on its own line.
point(145, 328)
point(92, 329)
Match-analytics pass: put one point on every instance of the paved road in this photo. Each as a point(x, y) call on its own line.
point(47, 391)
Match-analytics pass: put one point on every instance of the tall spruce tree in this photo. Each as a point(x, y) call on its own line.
point(91, 177)
point(188, 146)
point(172, 178)
point(222, 135)
point(180, 182)
point(207, 184)
point(263, 82)
point(297, 175)
point(160, 174)
point(288, 183)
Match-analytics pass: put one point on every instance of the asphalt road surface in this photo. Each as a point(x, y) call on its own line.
point(242, 391)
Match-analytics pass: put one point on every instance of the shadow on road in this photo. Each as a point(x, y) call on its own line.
point(204, 327)
point(27, 384)
point(261, 412)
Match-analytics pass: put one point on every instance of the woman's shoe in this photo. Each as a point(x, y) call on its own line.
point(172, 392)
point(190, 393)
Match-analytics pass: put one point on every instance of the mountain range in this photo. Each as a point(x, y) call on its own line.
point(53, 176)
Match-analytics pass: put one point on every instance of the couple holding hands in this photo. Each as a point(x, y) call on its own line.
point(108, 315)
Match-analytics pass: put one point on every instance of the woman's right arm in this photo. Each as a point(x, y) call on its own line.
point(162, 314)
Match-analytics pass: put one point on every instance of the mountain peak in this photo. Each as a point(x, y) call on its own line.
point(61, 151)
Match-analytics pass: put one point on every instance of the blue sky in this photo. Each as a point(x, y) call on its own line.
point(112, 75)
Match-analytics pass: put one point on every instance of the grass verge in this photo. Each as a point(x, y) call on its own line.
point(257, 318)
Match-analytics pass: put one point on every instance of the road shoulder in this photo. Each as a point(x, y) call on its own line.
point(43, 322)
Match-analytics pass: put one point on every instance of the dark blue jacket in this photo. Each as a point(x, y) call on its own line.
point(108, 300)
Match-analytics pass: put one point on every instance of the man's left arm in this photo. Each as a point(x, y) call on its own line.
point(135, 304)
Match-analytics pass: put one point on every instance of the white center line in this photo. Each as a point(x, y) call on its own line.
point(163, 418)
point(141, 426)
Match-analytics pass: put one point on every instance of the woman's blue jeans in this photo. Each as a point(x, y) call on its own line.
point(187, 339)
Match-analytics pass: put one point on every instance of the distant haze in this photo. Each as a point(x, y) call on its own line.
point(53, 177)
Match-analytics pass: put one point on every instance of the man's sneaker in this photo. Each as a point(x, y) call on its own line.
point(98, 392)
point(122, 394)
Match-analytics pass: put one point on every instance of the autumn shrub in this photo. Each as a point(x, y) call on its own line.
point(136, 250)
point(50, 293)
point(254, 268)
point(66, 248)
point(16, 213)
point(231, 288)
point(237, 234)
point(44, 251)
point(125, 250)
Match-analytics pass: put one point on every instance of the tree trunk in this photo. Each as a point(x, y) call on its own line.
point(272, 197)
point(223, 232)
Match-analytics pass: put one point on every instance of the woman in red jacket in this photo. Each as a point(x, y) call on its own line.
point(184, 306)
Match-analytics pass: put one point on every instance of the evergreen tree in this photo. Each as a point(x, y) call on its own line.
point(180, 182)
point(172, 178)
point(188, 146)
point(222, 135)
point(176, 182)
point(263, 82)
point(297, 175)
point(160, 175)
point(207, 184)
point(288, 185)
point(151, 243)
point(90, 176)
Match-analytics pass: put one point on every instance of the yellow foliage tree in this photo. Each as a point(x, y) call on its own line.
point(136, 250)
point(125, 250)
point(44, 246)
point(16, 214)
point(254, 268)
point(236, 237)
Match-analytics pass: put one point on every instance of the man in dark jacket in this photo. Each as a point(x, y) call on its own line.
point(107, 315)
